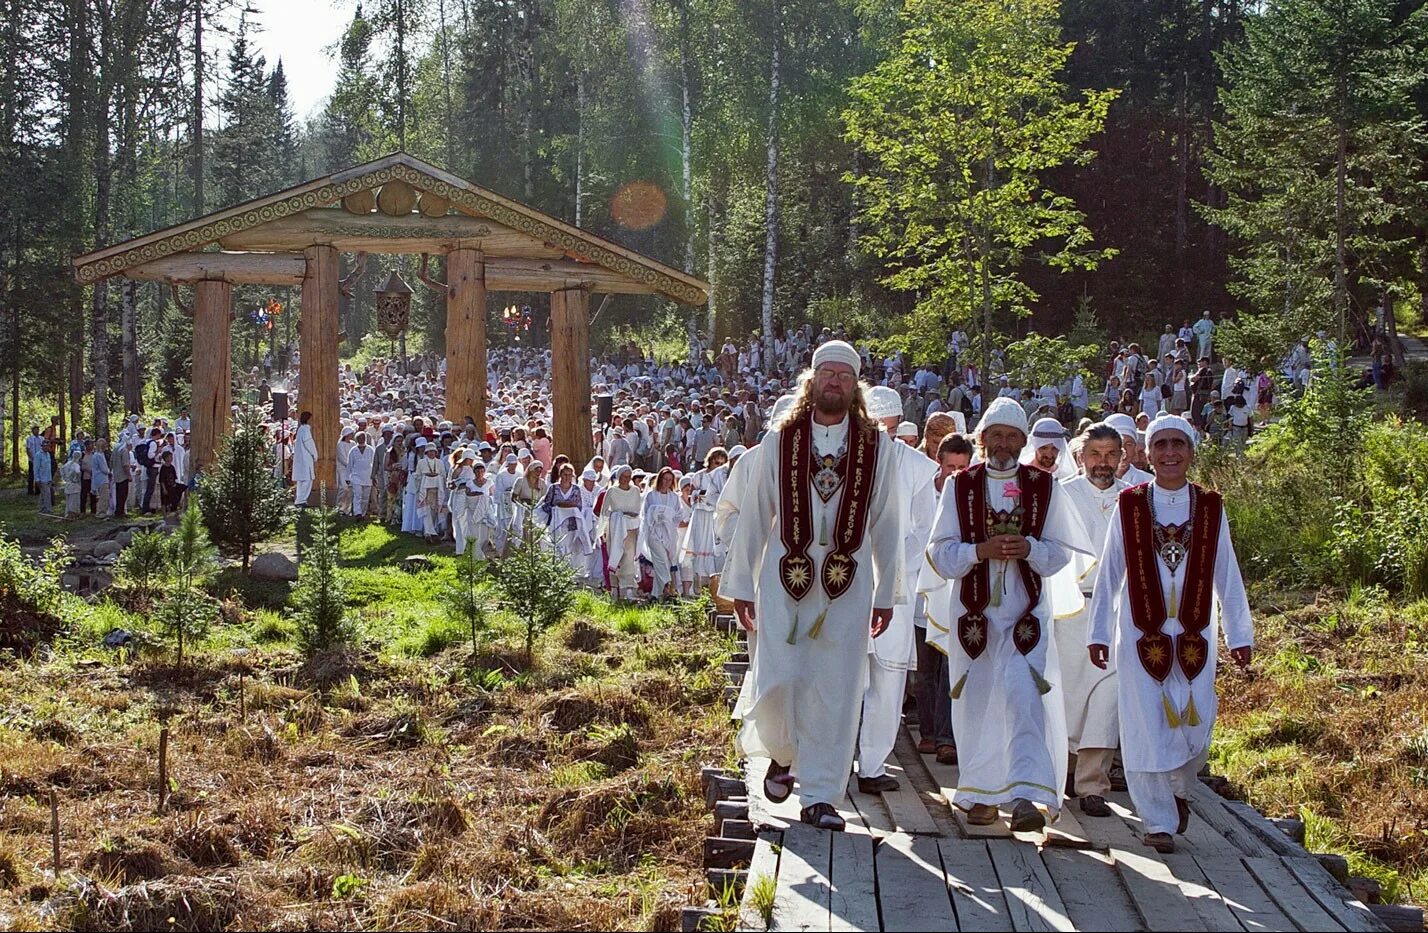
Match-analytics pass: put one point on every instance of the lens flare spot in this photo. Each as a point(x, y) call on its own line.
point(638, 205)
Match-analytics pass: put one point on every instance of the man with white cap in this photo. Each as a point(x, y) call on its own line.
point(1001, 531)
point(304, 459)
point(1046, 449)
point(814, 562)
point(344, 473)
point(505, 482)
point(1130, 448)
point(1092, 725)
point(1168, 581)
point(892, 655)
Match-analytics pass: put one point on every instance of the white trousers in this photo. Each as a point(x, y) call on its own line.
point(302, 491)
point(882, 714)
point(459, 530)
point(1154, 793)
point(359, 499)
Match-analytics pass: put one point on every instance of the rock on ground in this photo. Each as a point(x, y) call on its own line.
point(273, 566)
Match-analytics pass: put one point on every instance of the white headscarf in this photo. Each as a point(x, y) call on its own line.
point(1047, 432)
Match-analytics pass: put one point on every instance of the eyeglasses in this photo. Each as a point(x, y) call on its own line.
point(838, 374)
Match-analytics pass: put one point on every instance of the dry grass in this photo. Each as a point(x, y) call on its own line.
point(363, 793)
point(1332, 725)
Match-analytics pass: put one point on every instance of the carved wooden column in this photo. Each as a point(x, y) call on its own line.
point(212, 380)
point(570, 373)
point(317, 375)
point(466, 337)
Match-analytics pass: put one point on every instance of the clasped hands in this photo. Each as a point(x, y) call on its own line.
point(1004, 547)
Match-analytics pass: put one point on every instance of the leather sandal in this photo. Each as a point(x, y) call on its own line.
point(778, 782)
point(823, 816)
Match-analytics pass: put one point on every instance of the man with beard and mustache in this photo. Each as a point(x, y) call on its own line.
point(1092, 726)
point(1047, 451)
point(813, 565)
point(1168, 583)
point(1002, 530)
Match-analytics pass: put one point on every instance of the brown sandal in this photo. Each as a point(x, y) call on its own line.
point(823, 816)
point(778, 782)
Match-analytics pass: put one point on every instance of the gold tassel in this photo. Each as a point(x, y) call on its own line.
point(1170, 716)
point(957, 688)
point(793, 631)
point(1192, 717)
point(1174, 601)
point(1043, 687)
point(818, 624)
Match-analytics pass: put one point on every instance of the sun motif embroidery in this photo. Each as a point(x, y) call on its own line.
point(798, 575)
point(1190, 654)
point(837, 574)
point(974, 633)
point(1025, 632)
point(1155, 654)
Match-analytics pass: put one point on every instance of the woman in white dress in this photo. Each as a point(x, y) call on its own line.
point(411, 518)
point(304, 459)
point(686, 519)
point(481, 512)
point(700, 547)
point(659, 533)
point(564, 515)
point(462, 477)
point(620, 530)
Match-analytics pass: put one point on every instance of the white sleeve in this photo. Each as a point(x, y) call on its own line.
point(948, 554)
point(751, 535)
point(1110, 579)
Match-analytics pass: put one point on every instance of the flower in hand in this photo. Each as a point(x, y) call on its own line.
point(1011, 490)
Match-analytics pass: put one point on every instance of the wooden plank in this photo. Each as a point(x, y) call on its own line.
point(410, 233)
point(234, 268)
point(516, 274)
point(1033, 903)
point(1208, 806)
point(1290, 896)
point(912, 889)
point(801, 901)
point(999, 829)
point(1207, 903)
point(1262, 829)
point(1153, 889)
point(977, 895)
point(870, 808)
point(1067, 832)
point(1242, 895)
point(853, 899)
point(1348, 910)
point(1091, 889)
point(764, 864)
point(905, 806)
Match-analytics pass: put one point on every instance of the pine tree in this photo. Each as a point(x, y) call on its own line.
point(535, 583)
point(187, 610)
point(244, 503)
point(347, 126)
point(467, 600)
point(321, 595)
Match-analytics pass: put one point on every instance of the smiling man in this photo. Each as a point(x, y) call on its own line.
point(1002, 529)
point(1168, 581)
point(813, 566)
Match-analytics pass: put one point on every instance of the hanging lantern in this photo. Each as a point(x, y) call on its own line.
point(394, 305)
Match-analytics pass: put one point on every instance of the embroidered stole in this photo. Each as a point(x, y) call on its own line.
point(970, 487)
point(1191, 650)
point(859, 471)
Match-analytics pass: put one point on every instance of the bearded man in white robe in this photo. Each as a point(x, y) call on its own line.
point(892, 655)
point(1001, 531)
point(813, 566)
point(1168, 581)
point(1092, 725)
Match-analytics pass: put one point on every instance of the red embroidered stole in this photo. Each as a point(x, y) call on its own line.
point(1191, 650)
point(859, 472)
point(970, 487)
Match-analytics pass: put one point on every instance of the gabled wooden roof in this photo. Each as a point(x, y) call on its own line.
point(465, 197)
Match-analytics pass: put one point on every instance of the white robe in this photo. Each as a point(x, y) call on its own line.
point(659, 536)
point(619, 529)
point(1088, 691)
point(1011, 739)
point(304, 463)
point(699, 545)
point(1148, 743)
point(806, 694)
point(359, 475)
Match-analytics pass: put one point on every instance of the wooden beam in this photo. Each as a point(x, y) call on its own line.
point(235, 268)
point(317, 376)
point(548, 275)
point(212, 380)
point(570, 373)
point(379, 233)
point(466, 337)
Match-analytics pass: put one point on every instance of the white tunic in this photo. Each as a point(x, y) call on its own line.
point(807, 691)
point(304, 455)
point(1148, 742)
point(1089, 692)
point(896, 648)
point(1011, 739)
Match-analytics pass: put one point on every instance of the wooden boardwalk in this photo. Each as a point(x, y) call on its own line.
point(907, 863)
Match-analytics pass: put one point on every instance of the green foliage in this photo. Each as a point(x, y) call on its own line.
point(186, 611)
point(1257, 341)
point(32, 583)
point(142, 564)
point(467, 598)
point(957, 127)
point(535, 584)
point(320, 601)
point(1332, 414)
point(1036, 360)
point(243, 502)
